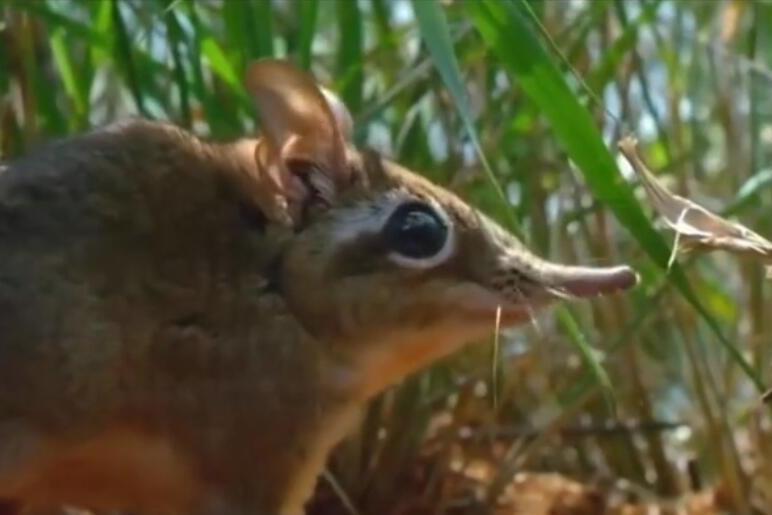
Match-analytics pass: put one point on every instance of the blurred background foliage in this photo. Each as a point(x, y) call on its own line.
point(649, 398)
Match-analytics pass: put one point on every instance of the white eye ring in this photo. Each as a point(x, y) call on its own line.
point(445, 252)
point(371, 218)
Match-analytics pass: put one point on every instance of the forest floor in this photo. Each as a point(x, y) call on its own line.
point(462, 491)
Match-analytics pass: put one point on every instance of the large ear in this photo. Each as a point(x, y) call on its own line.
point(302, 154)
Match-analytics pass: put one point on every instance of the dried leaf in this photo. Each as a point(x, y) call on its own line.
point(695, 226)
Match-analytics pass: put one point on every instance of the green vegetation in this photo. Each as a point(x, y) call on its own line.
point(517, 106)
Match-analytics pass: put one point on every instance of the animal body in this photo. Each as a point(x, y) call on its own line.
point(189, 327)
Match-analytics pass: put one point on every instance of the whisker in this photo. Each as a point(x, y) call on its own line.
point(533, 320)
point(560, 292)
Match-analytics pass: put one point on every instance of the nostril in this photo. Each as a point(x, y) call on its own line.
point(516, 276)
point(513, 281)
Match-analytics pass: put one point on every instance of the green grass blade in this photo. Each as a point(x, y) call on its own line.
point(388, 40)
point(102, 22)
point(264, 15)
point(71, 25)
point(507, 33)
point(176, 41)
point(236, 17)
point(125, 58)
point(44, 112)
point(219, 62)
point(224, 68)
point(309, 11)
point(587, 353)
point(435, 33)
point(350, 53)
point(64, 65)
point(215, 114)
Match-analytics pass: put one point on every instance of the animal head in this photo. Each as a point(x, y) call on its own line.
point(390, 269)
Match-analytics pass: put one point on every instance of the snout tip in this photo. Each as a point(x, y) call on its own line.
point(593, 282)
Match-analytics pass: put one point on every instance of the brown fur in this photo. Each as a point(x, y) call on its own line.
point(180, 329)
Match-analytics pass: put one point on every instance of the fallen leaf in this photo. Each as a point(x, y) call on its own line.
point(696, 227)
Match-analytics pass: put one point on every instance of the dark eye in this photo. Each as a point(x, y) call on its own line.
point(415, 231)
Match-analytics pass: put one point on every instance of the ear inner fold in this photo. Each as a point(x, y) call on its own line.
point(299, 125)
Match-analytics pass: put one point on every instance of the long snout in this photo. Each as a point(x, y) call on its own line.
point(583, 281)
point(523, 276)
